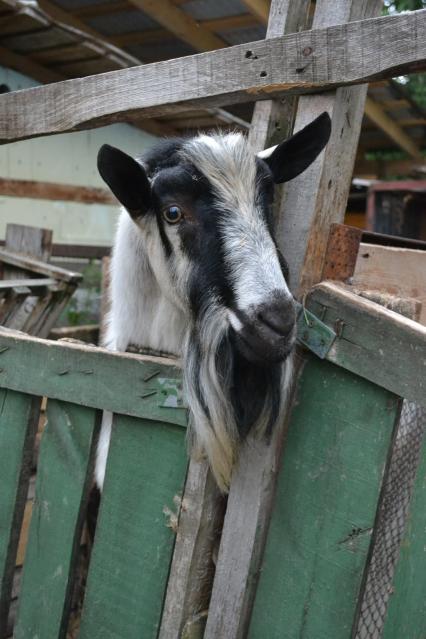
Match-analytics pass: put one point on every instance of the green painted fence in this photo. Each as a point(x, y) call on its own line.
point(329, 487)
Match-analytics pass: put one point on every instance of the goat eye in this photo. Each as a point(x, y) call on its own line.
point(173, 214)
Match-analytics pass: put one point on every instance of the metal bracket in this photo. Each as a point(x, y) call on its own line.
point(313, 333)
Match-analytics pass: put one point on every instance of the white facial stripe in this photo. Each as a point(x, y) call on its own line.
point(255, 269)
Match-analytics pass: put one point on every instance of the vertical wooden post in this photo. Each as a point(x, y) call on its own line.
point(310, 203)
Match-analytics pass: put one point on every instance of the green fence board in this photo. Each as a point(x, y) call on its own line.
point(18, 426)
point(119, 382)
point(406, 615)
point(134, 544)
point(63, 480)
point(325, 507)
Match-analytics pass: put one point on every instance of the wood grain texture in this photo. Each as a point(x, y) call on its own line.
point(272, 120)
point(29, 240)
point(295, 63)
point(87, 375)
point(406, 613)
point(64, 477)
point(134, 538)
point(399, 271)
point(54, 191)
point(37, 266)
point(18, 427)
point(373, 342)
point(191, 573)
point(318, 197)
point(325, 506)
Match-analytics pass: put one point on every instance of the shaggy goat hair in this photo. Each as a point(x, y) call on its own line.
point(196, 272)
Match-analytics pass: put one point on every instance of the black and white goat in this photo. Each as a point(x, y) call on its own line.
point(196, 272)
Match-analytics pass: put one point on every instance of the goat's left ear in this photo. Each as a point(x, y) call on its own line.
point(294, 155)
point(126, 178)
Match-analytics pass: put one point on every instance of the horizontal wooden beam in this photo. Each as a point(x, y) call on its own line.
point(306, 62)
point(259, 8)
point(391, 128)
point(373, 342)
point(23, 64)
point(157, 35)
point(54, 191)
point(181, 24)
point(76, 373)
point(81, 251)
point(38, 266)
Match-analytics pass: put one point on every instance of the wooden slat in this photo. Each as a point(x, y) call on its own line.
point(31, 284)
point(54, 191)
point(200, 80)
point(87, 375)
point(192, 569)
point(406, 613)
point(399, 271)
point(18, 427)
point(325, 507)
point(64, 477)
point(28, 240)
point(134, 538)
point(374, 342)
point(37, 266)
point(16, 296)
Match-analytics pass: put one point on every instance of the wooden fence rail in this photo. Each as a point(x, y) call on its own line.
point(306, 62)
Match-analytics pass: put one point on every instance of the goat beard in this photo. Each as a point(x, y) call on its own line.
point(228, 396)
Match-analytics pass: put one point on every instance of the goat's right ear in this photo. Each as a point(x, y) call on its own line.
point(126, 178)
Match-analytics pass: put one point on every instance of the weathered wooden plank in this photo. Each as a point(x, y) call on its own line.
point(28, 283)
point(15, 297)
point(400, 271)
point(374, 342)
point(64, 477)
point(252, 489)
point(341, 253)
point(29, 240)
point(134, 537)
point(295, 63)
point(406, 614)
point(318, 197)
point(192, 569)
point(18, 426)
point(90, 376)
point(37, 266)
point(53, 191)
point(325, 507)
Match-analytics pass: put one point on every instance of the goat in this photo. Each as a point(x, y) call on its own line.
point(196, 272)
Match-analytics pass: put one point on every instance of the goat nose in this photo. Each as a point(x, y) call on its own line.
point(278, 315)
